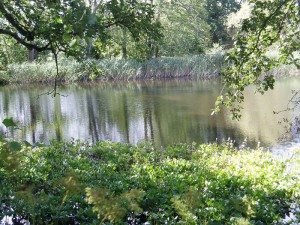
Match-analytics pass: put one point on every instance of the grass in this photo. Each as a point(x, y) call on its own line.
point(195, 67)
point(113, 183)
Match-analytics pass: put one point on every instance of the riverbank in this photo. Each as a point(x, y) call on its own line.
point(73, 182)
point(194, 67)
point(207, 66)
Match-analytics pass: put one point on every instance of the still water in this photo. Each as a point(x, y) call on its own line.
point(164, 112)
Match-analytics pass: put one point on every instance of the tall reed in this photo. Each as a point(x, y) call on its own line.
point(203, 66)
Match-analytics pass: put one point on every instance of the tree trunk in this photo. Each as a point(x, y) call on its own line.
point(32, 54)
point(152, 44)
point(124, 43)
point(89, 46)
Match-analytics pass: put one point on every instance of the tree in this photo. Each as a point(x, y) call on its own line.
point(218, 10)
point(66, 26)
point(63, 26)
point(10, 52)
point(273, 24)
point(186, 31)
point(131, 38)
point(44, 25)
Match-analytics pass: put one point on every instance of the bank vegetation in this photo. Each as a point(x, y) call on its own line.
point(113, 183)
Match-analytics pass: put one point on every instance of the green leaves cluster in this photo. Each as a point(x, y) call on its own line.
point(218, 11)
point(114, 208)
point(67, 26)
point(273, 24)
point(73, 182)
point(186, 31)
point(138, 29)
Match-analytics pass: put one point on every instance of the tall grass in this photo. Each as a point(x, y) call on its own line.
point(205, 66)
point(194, 67)
point(44, 72)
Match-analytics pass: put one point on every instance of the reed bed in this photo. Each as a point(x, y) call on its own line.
point(204, 66)
point(193, 67)
point(42, 72)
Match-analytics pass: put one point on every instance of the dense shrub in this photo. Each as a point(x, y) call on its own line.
point(113, 183)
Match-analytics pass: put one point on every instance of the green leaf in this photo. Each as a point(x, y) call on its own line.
point(73, 42)
point(15, 146)
point(9, 122)
point(67, 37)
point(27, 144)
point(41, 145)
point(59, 20)
point(87, 40)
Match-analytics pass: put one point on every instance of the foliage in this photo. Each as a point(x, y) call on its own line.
point(73, 182)
point(272, 24)
point(186, 31)
point(235, 19)
point(9, 122)
point(137, 29)
point(189, 27)
point(67, 25)
point(11, 53)
point(114, 208)
point(218, 11)
point(122, 41)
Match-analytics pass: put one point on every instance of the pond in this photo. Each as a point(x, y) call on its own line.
point(164, 112)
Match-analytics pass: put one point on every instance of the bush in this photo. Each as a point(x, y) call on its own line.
point(75, 183)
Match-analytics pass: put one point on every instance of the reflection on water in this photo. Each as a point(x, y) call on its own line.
point(164, 112)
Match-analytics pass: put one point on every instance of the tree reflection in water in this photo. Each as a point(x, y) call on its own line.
point(165, 112)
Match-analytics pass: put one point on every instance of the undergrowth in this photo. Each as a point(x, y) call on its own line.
point(113, 183)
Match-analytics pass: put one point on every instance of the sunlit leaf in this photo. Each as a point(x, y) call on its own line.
point(59, 20)
point(73, 42)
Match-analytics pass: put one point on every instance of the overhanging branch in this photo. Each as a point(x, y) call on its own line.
point(24, 42)
point(29, 35)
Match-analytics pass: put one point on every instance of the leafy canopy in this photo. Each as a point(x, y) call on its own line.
point(218, 11)
point(273, 24)
point(186, 31)
point(66, 25)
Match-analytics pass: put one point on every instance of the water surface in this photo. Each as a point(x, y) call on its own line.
point(165, 112)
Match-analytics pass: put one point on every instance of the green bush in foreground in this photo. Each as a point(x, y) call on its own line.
point(113, 183)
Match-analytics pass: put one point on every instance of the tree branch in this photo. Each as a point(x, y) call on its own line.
point(265, 22)
point(29, 35)
point(24, 42)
